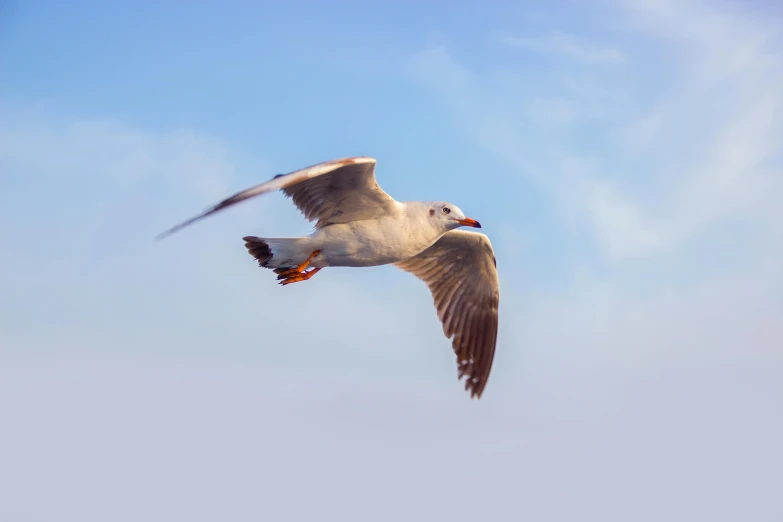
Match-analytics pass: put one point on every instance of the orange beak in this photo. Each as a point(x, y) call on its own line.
point(469, 223)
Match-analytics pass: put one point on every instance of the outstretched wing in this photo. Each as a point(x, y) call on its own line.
point(460, 271)
point(337, 191)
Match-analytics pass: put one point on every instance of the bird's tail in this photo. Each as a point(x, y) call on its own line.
point(278, 254)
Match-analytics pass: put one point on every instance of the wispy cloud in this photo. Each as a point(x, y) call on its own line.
point(702, 150)
point(569, 46)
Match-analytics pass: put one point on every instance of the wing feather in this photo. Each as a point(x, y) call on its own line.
point(337, 191)
point(460, 271)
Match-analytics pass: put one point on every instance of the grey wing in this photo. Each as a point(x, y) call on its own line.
point(460, 271)
point(336, 191)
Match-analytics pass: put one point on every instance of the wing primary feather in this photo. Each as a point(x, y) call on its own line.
point(317, 191)
point(454, 305)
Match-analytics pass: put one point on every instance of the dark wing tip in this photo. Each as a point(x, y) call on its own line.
point(475, 386)
point(236, 198)
point(190, 221)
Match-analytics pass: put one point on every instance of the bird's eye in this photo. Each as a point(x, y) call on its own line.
point(446, 210)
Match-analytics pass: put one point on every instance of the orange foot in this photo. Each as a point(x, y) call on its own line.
point(297, 276)
point(298, 273)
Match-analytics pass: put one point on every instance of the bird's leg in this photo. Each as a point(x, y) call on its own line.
point(299, 269)
point(299, 276)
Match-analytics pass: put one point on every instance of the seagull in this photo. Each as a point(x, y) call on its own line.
point(360, 225)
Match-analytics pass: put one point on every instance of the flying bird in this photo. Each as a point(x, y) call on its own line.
point(360, 225)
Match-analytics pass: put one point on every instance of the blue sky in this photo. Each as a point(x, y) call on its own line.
point(624, 159)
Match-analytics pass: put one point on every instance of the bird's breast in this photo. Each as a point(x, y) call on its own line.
point(372, 242)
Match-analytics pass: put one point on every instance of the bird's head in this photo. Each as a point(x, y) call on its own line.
point(451, 216)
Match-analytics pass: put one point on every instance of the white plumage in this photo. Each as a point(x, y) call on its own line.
point(358, 224)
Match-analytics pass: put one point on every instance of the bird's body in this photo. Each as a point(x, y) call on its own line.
point(359, 225)
point(370, 242)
